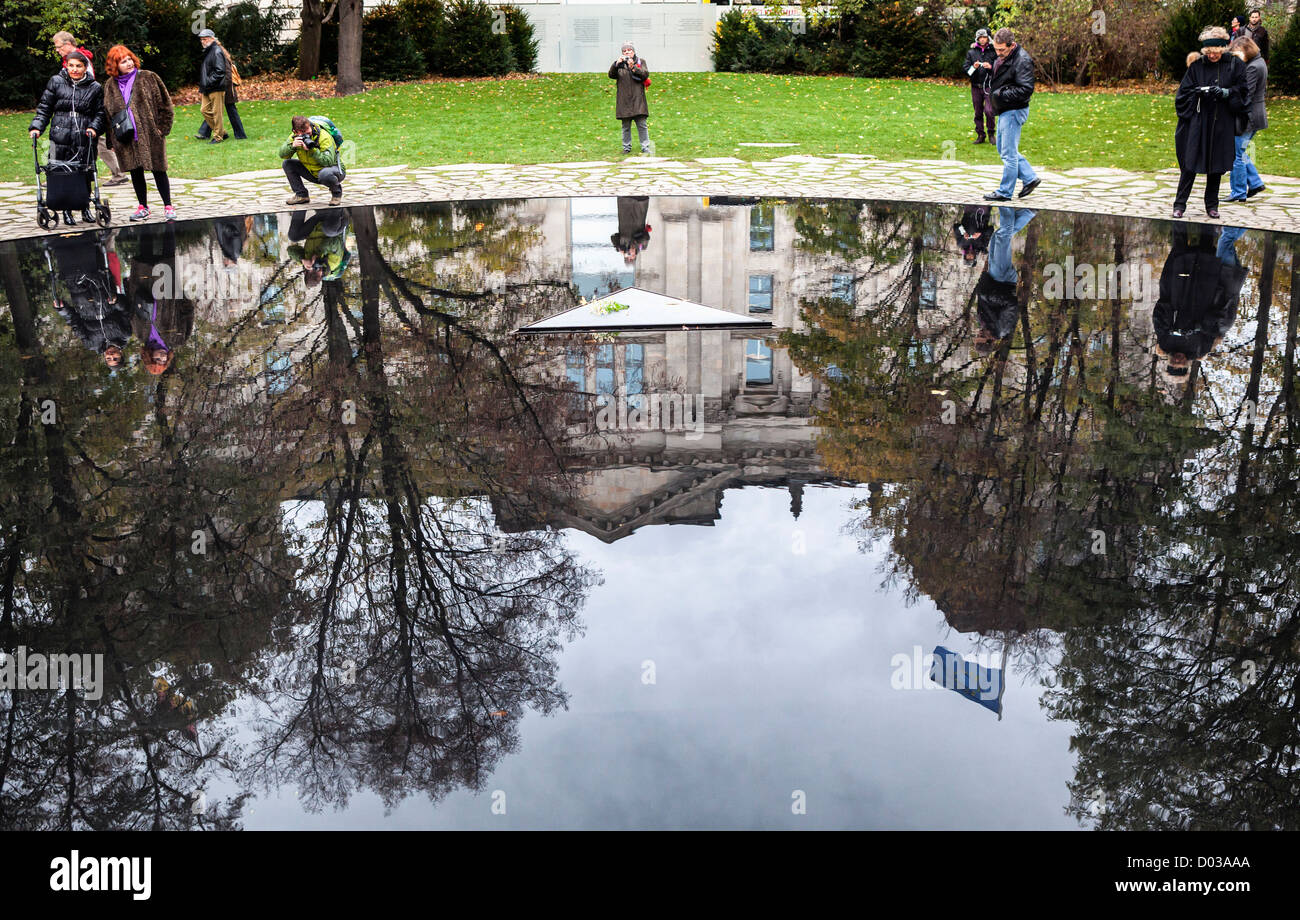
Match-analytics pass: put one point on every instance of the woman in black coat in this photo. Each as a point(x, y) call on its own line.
point(1212, 94)
point(72, 105)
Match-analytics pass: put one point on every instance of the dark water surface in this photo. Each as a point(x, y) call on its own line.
point(352, 554)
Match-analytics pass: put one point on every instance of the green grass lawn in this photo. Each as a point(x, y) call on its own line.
point(561, 117)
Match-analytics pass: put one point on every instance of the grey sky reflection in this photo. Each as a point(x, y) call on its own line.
point(772, 675)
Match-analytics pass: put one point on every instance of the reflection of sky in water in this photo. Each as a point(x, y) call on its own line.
point(773, 674)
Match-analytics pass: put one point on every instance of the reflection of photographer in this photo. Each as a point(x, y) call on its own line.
point(320, 243)
point(633, 234)
point(633, 76)
point(311, 153)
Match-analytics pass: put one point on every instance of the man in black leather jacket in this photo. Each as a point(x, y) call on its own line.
point(214, 74)
point(1011, 87)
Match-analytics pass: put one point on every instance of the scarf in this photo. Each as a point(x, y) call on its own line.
point(126, 83)
point(155, 337)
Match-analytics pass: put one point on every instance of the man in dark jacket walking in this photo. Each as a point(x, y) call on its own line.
point(214, 75)
point(1258, 34)
point(1010, 87)
point(979, 68)
point(231, 100)
point(631, 73)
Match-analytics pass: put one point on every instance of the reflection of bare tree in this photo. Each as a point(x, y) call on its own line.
point(1177, 636)
point(430, 633)
point(91, 567)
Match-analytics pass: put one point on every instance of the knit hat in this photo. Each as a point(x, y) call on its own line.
point(981, 32)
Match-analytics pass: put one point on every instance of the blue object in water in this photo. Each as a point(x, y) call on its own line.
point(978, 684)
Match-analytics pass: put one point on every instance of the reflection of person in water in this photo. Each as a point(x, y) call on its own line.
point(231, 233)
point(633, 234)
point(321, 244)
point(86, 286)
point(1199, 287)
point(162, 318)
point(995, 292)
point(972, 231)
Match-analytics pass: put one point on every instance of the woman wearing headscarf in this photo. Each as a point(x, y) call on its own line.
point(141, 138)
point(1211, 96)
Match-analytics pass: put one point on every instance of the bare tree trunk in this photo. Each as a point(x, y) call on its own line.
point(309, 40)
point(349, 73)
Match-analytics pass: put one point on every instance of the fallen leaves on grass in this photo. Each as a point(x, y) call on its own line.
point(287, 87)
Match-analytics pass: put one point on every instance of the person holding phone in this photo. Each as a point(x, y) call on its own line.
point(1211, 96)
point(632, 75)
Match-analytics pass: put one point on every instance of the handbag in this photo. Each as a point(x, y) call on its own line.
point(123, 130)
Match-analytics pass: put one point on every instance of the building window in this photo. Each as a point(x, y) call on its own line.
point(929, 291)
point(758, 362)
point(634, 374)
point(762, 225)
point(575, 371)
point(604, 373)
point(279, 373)
point(842, 287)
point(760, 293)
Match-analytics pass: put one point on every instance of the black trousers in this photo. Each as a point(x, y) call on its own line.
point(1185, 181)
point(232, 116)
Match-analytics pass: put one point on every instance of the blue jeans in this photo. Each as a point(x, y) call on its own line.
point(1244, 176)
point(1227, 248)
point(1010, 222)
point(1014, 166)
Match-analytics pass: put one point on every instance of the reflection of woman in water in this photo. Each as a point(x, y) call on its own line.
point(163, 318)
point(86, 281)
point(995, 292)
point(1199, 288)
point(633, 234)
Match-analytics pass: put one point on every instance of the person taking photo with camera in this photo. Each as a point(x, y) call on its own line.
point(312, 153)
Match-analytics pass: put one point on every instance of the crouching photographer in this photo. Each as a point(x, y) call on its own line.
point(312, 153)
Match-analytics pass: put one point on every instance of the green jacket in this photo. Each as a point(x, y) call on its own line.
point(330, 251)
point(315, 159)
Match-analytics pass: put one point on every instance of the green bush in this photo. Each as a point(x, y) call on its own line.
point(474, 49)
point(251, 35)
point(428, 20)
point(520, 32)
point(388, 48)
point(898, 40)
point(1284, 59)
point(1182, 35)
point(870, 38)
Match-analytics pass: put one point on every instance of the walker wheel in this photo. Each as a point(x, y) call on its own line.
point(103, 216)
point(46, 218)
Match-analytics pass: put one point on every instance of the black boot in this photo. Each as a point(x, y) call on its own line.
point(69, 219)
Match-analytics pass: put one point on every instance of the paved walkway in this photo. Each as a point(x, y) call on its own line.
point(1093, 190)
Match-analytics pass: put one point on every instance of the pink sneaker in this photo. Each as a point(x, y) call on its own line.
point(141, 213)
point(169, 213)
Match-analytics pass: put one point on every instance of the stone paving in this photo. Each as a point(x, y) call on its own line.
point(1094, 190)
